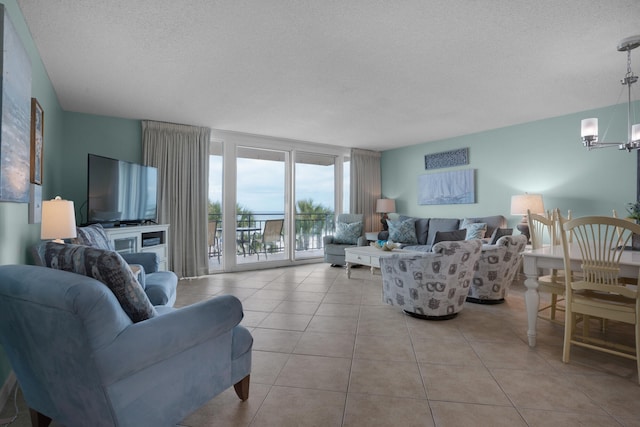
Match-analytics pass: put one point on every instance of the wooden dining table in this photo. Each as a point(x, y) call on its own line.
point(552, 257)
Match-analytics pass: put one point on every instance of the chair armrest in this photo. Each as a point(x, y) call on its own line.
point(146, 343)
point(148, 260)
point(362, 241)
point(327, 240)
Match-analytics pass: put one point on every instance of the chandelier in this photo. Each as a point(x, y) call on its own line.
point(589, 127)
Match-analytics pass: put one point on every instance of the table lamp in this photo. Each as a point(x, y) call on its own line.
point(520, 204)
point(385, 206)
point(58, 220)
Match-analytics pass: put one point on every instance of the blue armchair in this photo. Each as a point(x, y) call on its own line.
point(80, 360)
point(349, 233)
point(160, 286)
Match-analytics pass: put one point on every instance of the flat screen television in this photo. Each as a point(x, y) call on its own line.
point(120, 192)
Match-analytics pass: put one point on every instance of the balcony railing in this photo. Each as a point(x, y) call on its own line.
point(310, 230)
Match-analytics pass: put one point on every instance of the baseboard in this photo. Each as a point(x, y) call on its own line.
point(7, 387)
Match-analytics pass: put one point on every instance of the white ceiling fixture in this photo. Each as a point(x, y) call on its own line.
point(589, 127)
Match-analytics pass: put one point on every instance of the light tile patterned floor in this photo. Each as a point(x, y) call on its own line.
point(327, 352)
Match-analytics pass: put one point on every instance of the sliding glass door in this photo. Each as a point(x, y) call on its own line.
point(314, 202)
point(260, 220)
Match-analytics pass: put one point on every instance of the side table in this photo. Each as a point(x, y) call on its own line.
point(371, 236)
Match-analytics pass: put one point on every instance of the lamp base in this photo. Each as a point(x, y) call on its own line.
point(523, 228)
point(385, 226)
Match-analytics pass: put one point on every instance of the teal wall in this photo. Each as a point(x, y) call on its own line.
point(16, 234)
point(104, 136)
point(544, 157)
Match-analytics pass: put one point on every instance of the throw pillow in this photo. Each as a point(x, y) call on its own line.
point(347, 233)
point(476, 231)
point(403, 231)
point(466, 222)
point(92, 235)
point(450, 236)
point(498, 233)
point(107, 267)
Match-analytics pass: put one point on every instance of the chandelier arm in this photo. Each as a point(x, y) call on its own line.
point(590, 126)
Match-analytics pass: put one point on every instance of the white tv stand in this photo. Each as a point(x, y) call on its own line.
point(142, 238)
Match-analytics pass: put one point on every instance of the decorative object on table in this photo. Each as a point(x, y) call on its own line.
point(385, 206)
point(447, 159)
point(37, 141)
point(520, 204)
point(15, 110)
point(385, 245)
point(447, 188)
point(35, 204)
point(58, 220)
point(589, 127)
point(634, 213)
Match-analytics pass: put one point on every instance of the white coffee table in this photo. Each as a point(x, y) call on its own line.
point(369, 256)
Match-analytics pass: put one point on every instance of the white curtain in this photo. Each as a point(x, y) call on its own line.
point(366, 186)
point(181, 154)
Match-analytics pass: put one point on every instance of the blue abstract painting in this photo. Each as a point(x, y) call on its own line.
point(447, 188)
point(16, 115)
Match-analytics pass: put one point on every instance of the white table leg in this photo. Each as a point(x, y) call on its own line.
point(531, 298)
point(348, 270)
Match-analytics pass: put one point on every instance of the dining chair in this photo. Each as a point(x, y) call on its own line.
point(600, 292)
point(272, 234)
point(214, 244)
point(543, 228)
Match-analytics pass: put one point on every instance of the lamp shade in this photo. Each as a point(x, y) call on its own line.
point(520, 203)
point(385, 205)
point(58, 220)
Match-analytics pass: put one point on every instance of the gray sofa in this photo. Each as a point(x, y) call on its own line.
point(428, 230)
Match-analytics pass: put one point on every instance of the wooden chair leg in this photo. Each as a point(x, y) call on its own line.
point(38, 419)
point(242, 388)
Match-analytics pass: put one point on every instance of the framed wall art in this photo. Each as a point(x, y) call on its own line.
point(37, 140)
point(447, 159)
point(15, 112)
point(447, 188)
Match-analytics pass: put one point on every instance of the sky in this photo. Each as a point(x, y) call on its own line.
point(261, 183)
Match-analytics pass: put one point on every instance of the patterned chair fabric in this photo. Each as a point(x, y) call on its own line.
point(496, 269)
point(432, 285)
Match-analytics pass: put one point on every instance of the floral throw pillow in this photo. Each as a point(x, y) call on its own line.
point(107, 267)
point(403, 231)
point(476, 230)
point(347, 233)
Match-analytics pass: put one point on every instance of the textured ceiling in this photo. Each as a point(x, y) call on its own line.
point(374, 74)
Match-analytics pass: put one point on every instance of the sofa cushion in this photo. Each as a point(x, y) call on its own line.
point(92, 235)
point(107, 267)
point(498, 233)
point(403, 231)
point(476, 231)
point(441, 224)
point(347, 233)
point(492, 221)
point(450, 236)
point(422, 228)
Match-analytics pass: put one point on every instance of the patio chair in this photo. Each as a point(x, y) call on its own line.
point(272, 234)
point(214, 243)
